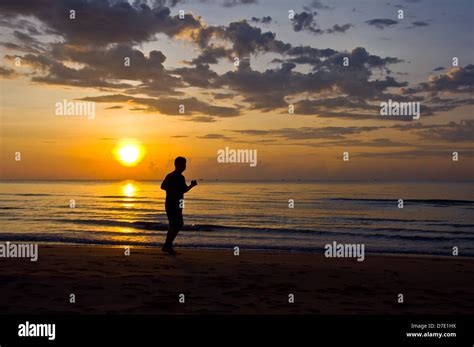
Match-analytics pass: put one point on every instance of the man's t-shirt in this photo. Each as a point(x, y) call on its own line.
point(175, 186)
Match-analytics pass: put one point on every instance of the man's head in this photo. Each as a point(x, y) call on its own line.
point(180, 164)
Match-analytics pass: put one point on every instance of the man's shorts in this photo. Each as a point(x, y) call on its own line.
point(175, 217)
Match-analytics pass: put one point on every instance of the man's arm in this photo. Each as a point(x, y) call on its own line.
point(188, 188)
point(164, 185)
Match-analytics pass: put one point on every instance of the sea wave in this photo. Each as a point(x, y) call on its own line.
point(386, 233)
point(68, 240)
point(432, 202)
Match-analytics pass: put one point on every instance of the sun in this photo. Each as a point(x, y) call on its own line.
point(129, 153)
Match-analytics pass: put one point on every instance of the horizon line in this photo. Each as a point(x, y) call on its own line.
point(238, 180)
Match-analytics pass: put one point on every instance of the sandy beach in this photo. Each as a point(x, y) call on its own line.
point(105, 281)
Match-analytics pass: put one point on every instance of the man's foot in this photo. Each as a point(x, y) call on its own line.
point(169, 250)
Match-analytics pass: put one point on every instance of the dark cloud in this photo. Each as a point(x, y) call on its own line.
point(415, 154)
point(211, 55)
point(102, 69)
point(244, 38)
point(20, 24)
point(304, 21)
point(337, 107)
point(7, 73)
point(462, 131)
point(232, 3)
point(263, 20)
point(319, 5)
point(380, 142)
point(202, 119)
point(456, 80)
point(336, 28)
point(101, 22)
point(247, 39)
point(199, 76)
point(382, 23)
point(452, 132)
point(110, 62)
point(28, 43)
point(420, 24)
point(105, 68)
point(87, 56)
point(50, 71)
point(307, 55)
point(215, 137)
point(155, 3)
point(169, 106)
point(309, 133)
point(173, 3)
point(260, 89)
point(222, 96)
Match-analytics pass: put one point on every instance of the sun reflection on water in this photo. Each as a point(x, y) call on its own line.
point(129, 190)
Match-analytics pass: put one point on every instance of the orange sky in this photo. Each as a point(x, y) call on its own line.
point(290, 146)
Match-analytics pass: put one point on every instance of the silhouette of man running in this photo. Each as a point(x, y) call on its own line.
point(175, 187)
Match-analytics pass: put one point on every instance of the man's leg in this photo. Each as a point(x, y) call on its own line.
point(175, 219)
point(175, 228)
point(170, 236)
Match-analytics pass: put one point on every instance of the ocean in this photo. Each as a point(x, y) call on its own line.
point(252, 215)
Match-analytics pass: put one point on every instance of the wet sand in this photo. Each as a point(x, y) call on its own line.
point(105, 281)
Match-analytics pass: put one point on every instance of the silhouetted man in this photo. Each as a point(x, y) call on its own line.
point(175, 186)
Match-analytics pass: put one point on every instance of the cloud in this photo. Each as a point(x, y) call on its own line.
point(420, 24)
point(337, 107)
point(452, 132)
point(380, 142)
point(101, 22)
point(312, 79)
point(244, 38)
point(462, 131)
point(211, 55)
point(7, 73)
point(225, 3)
point(415, 154)
point(309, 133)
point(104, 68)
point(202, 119)
point(168, 106)
point(382, 23)
point(247, 39)
point(50, 71)
point(233, 3)
point(258, 88)
point(319, 5)
point(263, 20)
point(305, 21)
point(21, 24)
point(214, 137)
point(336, 28)
point(455, 80)
point(199, 76)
